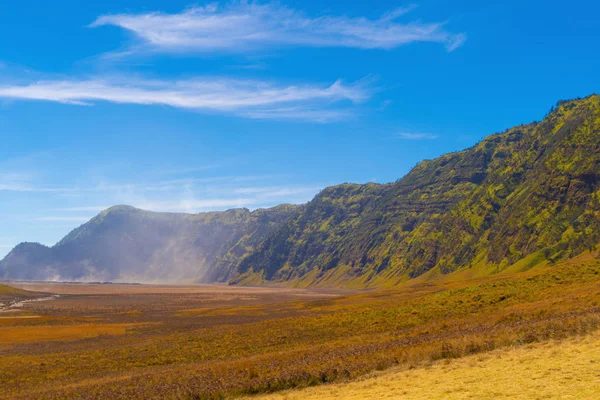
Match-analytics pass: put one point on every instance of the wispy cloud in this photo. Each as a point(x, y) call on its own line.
point(243, 27)
point(18, 183)
point(194, 204)
point(24, 182)
point(187, 170)
point(183, 196)
point(93, 194)
point(276, 191)
point(86, 208)
point(417, 136)
point(62, 219)
point(303, 113)
point(29, 188)
point(250, 98)
point(249, 197)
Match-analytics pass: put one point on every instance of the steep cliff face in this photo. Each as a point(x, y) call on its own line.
point(529, 195)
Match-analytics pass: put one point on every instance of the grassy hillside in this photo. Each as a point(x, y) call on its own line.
point(529, 196)
point(551, 370)
point(131, 244)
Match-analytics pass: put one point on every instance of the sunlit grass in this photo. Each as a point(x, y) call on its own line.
point(184, 348)
point(551, 370)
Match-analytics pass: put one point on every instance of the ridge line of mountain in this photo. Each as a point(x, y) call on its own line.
point(526, 197)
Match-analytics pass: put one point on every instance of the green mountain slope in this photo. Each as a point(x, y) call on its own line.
point(130, 244)
point(527, 196)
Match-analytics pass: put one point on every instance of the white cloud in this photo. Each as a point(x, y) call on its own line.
point(275, 191)
point(193, 204)
point(14, 182)
point(194, 195)
point(29, 188)
point(299, 113)
point(187, 170)
point(62, 219)
point(244, 26)
point(417, 136)
point(24, 182)
point(250, 98)
point(180, 194)
point(224, 197)
point(86, 208)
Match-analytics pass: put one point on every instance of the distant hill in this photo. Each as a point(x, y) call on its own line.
point(526, 197)
point(125, 243)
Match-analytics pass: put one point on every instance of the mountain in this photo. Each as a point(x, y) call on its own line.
point(125, 243)
point(525, 197)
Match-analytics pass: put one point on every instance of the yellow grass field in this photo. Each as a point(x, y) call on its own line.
point(551, 370)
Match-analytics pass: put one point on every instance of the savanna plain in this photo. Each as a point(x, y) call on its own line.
point(483, 333)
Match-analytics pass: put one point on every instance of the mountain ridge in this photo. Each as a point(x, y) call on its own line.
point(127, 243)
point(524, 197)
point(458, 210)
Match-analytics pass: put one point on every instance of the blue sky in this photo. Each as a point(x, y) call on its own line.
point(179, 106)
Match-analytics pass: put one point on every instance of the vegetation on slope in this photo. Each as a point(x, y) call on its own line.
point(523, 198)
point(528, 196)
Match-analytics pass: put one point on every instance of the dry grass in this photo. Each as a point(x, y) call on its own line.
point(238, 341)
point(551, 370)
point(10, 293)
